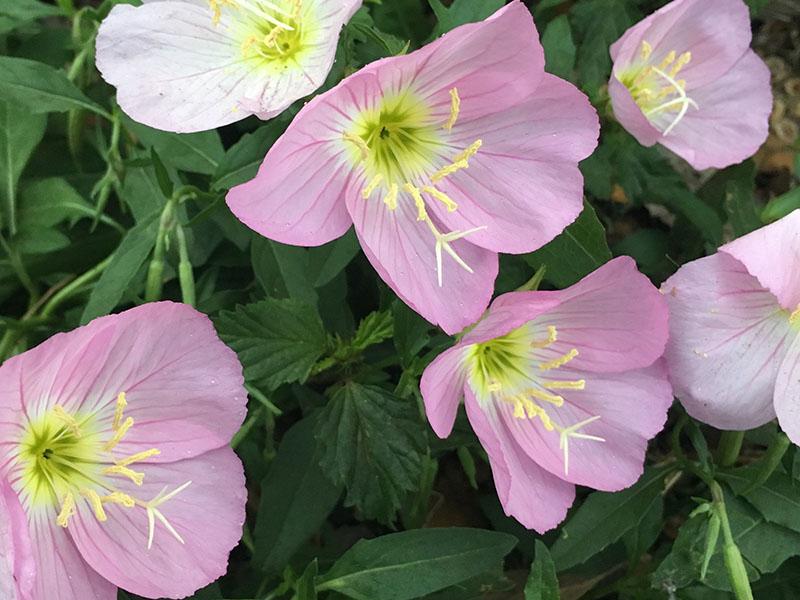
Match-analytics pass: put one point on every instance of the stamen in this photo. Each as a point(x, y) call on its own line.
point(560, 361)
point(422, 213)
point(359, 142)
point(122, 404)
point(391, 197)
point(443, 243)
point(119, 498)
point(153, 513)
point(455, 109)
point(70, 421)
point(794, 318)
point(120, 433)
point(647, 50)
point(138, 457)
point(553, 399)
point(580, 384)
point(668, 60)
point(552, 338)
point(97, 504)
point(67, 511)
point(683, 99)
point(459, 162)
point(571, 432)
point(136, 477)
point(683, 60)
point(367, 191)
point(441, 197)
point(257, 8)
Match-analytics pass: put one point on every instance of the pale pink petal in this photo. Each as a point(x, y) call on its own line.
point(630, 115)
point(442, 387)
point(17, 566)
point(787, 391)
point(732, 120)
point(632, 408)
point(524, 184)
point(536, 498)
point(716, 32)
point(402, 249)
point(208, 515)
point(614, 317)
point(61, 572)
point(772, 255)
point(727, 338)
point(508, 312)
point(184, 387)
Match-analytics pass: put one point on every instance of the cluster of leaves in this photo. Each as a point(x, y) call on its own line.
point(351, 495)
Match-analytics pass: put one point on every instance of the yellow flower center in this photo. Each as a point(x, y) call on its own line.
point(400, 144)
point(521, 369)
point(68, 458)
point(657, 89)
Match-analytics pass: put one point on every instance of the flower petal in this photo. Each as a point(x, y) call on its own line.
point(534, 497)
point(787, 392)
point(442, 387)
point(727, 338)
point(628, 409)
point(508, 312)
point(630, 115)
point(771, 255)
point(524, 184)
point(402, 250)
point(208, 515)
point(17, 566)
point(732, 120)
point(614, 317)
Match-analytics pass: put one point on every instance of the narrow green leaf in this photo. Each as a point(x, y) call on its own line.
point(306, 586)
point(193, 152)
point(542, 581)
point(407, 565)
point(16, 13)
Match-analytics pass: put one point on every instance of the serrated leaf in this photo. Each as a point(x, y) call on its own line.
point(40, 88)
point(542, 582)
point(559, 48)
point(296, 497)
point(604, 518)
point(407, 565)
point(379, 464)
point(278, 341)
point(461, 12)
point(578, 251)
point(375, 328)
point(778, 499)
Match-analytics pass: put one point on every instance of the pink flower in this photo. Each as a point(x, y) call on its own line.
point(17, 569)
point(734, 349)
point(115, 439)
point(192, 65)
point(685, 77)
point(441, 159)
point(562, 388)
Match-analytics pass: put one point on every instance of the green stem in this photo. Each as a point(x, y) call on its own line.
point(730, 444)
point(19, 269)
point(534, 282)
point(245, 429)
point(770, 461)
point(255, 393)
point(73, 288)
point(734, 563)
point(155, 272)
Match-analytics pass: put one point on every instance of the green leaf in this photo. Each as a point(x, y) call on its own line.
point(375, 328)
point(378, 464)
point(407, 565)
point(778, 499)
point(605, 517)
point(461, 12)
point(278, 341)
point(306, 585)
point(40, 88)
point(49, 202)
point(193, 152)
point(240, 163)
point(782, 205)
point(410, 332)
point(542, 581)
point(20, 133)
point(559, 48)
point(639, 539)
point(16, 13)
point(128, 259)
point(578, 251)
point(296, 498)
point(329, 260)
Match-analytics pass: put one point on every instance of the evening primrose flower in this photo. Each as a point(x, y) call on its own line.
point(686, 78)
point(114, 438)
point(441, 159)
point(192, 65)
point(734, 349)
point(561, 388)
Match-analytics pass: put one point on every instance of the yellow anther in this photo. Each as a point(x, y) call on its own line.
point(359, 143)
point(668, 60)
point(216, 8)
point(119, 498)
point(560, 361)
point(391, 198)
point(542, 395)
point(122, 404)
point(580, 384)
point(422, 213)
point(441, 197)
point(455, 109)
point(119, 434)
point(470, 151)
point(296, 8)
point(647, 50)
point(794, 318)
point(552, 338)
point(459, 162)
point(138, 457)
point(97, 504)
point(519, 409)
point(69, 421)
point(683, 60)
point(67, 511)
point(123, 471)
point(494, 387)
point(367, 191)
point(247, 44)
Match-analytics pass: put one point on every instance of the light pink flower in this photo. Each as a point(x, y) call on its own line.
point(562, 388)
point(115, 439)
point(734, 349)
point(685, 77)
point(17, 568)
point(441, 158)
point(192, 65)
